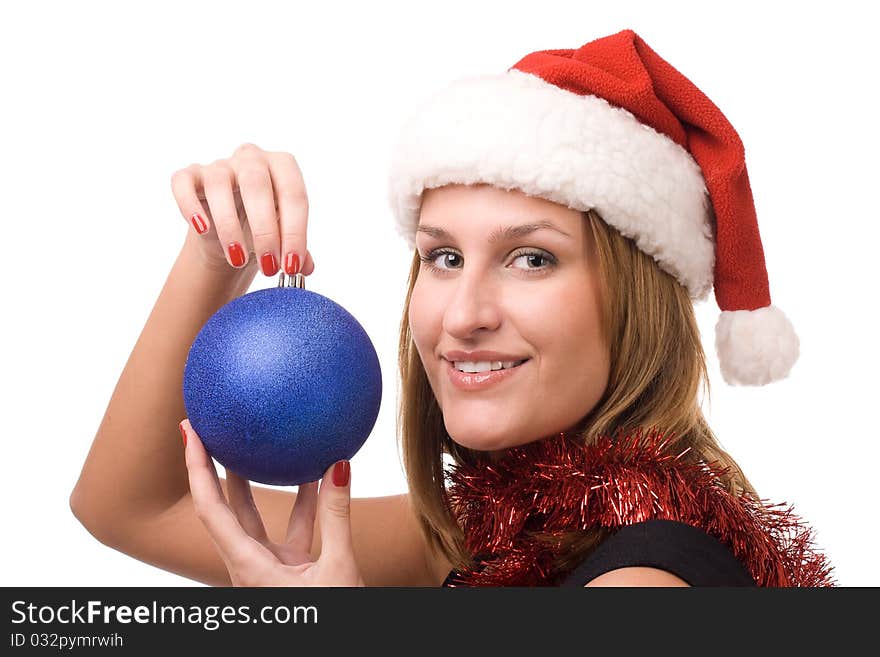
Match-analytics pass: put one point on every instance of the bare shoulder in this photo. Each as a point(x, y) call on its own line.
point(387, 533)
point(430, 567)
point(637, 576)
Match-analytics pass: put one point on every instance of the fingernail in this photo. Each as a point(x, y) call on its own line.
point(291, 264)
point(183, 433)
point(199, 224)
point(341, 472)
point(268, 264)
point(236, 254)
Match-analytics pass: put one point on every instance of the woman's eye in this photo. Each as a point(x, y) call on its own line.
point(532, 259)
point(432, 257)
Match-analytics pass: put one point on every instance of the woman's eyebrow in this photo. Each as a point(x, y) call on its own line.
point(505, 233)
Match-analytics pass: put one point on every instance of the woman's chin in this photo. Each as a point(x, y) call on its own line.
point(484, 435)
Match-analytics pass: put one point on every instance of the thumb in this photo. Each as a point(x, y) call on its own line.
point(334, 508)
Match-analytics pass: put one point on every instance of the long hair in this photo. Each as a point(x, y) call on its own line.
point(657, 370)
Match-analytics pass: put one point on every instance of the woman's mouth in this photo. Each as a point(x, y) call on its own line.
point(474, 381)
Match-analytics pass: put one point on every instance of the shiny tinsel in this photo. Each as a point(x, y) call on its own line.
point(514, 511)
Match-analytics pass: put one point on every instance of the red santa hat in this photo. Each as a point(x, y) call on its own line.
point(613, 127)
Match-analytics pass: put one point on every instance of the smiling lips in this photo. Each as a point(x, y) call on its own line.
point(473, 381)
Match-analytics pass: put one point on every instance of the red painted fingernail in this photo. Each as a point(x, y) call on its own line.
point(268, 264)
point(199, 224)
point(341, 472)
point(236, 254)
point(183, 433)
point(291, 264)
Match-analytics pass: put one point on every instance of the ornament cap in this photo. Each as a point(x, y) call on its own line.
point(297, 280)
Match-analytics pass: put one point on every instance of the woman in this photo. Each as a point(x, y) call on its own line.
point(563, 215)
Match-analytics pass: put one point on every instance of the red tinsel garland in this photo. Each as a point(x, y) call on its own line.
point(556, 485)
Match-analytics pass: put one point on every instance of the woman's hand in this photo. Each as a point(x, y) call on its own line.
point(238, 531)
point(254, 202)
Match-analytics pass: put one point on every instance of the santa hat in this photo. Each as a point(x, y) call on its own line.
point(613, 127)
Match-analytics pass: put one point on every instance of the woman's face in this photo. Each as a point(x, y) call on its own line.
point(533, 295)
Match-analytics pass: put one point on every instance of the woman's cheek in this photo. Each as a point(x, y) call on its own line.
point(419, 323)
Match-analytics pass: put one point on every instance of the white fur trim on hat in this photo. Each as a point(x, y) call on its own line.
point(755, 346)
point(514, 130)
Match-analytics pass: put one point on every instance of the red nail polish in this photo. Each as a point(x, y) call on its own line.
point(341, 472)
point(268, 264)
point(199, 224)
point(291, 264)
point(183, 433)
point(236, 254)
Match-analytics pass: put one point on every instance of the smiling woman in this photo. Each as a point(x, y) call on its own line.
point(611, 341)
point(489, 294)
point(564, 217)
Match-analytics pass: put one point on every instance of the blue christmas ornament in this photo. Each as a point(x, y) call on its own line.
point(281, 383)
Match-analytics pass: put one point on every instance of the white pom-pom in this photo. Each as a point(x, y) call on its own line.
point(755, 347)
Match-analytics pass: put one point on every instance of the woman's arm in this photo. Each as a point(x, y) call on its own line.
point(135, 468)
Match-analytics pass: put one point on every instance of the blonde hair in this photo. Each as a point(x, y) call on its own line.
point(657, 368)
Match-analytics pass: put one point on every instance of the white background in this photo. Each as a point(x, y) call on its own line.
point(103, 101)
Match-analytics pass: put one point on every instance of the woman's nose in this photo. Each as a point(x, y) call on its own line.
point(473, 305)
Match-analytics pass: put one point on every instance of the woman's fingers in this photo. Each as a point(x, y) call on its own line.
point(185, 184)
point(309, 266)
point(219, 179)
point(241, 500)
point(238, 550)
point(334, 509)
point(301, 526)
point(255, 201)
point(200, 467)
point(293, 209)
point(258, 196)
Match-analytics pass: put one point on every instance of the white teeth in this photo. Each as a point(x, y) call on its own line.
point(483, 366)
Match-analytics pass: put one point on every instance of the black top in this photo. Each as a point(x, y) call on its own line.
point(695, 556)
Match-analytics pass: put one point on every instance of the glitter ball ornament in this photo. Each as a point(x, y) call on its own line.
point(281, 383)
